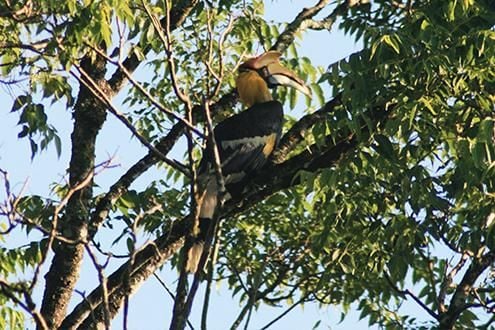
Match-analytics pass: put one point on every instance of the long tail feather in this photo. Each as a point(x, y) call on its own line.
point(193, 257)
point(195, 252)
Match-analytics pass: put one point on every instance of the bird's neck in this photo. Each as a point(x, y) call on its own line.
point(252, 88)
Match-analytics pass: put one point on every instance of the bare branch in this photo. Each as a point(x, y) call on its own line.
point(479, 263)
point(297, 25)
point(407, 292)
point(98, 93)
point(29, 306)
point(170, 293)
point(275, 320)
point(180, 10)
point(327, 22)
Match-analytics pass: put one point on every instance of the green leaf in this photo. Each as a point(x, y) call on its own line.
point(319, 93)
point(130, 245)
point(391, 41)
point(385, 147)
point(485, 131)
point(427, 103)
point(316, 325)
point(451, 9)
point(20, 102)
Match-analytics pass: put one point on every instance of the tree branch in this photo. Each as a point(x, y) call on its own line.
point(269, 181)
point(304, 20)
point(296, 133)
point(457, 304)
point(408, 292)
point(89, 115)
point(178, 14)
point(162, 248)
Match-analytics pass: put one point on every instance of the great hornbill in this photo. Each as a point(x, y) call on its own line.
point(245, 140)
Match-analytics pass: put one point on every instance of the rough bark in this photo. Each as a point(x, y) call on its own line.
point(178, 14)
point(458, 303)
point(270, 180)
point(63, 274)
point(89, 313)
point(89, 116)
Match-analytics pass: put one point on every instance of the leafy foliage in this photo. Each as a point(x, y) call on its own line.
point(405, 213)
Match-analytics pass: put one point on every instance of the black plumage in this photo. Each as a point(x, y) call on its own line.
point(246, 140)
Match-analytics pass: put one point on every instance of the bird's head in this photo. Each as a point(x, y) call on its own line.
point(258, 74)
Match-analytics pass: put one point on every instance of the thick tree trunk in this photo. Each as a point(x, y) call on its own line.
point(63, 274)
point(89, 116)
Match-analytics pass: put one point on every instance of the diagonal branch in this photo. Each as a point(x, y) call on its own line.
point(89, 116)
point(297, 132)
point(269, 181)
point(458, 303)
point(302, 21)
point(178, 13)
point(408, 292)
point(121, 186)
point(100, 95)
point(154, 255)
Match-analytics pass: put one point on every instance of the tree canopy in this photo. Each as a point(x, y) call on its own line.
point(381, 191)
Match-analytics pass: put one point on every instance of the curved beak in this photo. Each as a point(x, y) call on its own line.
point(277, 75)
point(269, 67)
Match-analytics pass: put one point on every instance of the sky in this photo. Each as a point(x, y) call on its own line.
point(150, 307)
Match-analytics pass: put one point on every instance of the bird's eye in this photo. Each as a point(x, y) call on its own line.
point(243, 68)
point(264, 72)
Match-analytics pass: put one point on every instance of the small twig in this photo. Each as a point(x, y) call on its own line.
point(209, 280)
point(97, 246)
point(407, 292)
point(53, 232)
point(170, 293)
point(92, 86)
point(164, 285)
point(103, 284)
point(219, 56)
point(167, 43)
point(29, 306)
point(253, 292)
point(275, 320)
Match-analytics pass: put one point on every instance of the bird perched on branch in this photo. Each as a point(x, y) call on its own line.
point(245, 140)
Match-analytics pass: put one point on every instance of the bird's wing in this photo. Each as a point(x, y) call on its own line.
point(246, 140)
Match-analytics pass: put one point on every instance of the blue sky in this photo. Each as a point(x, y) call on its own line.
point(150, 308)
